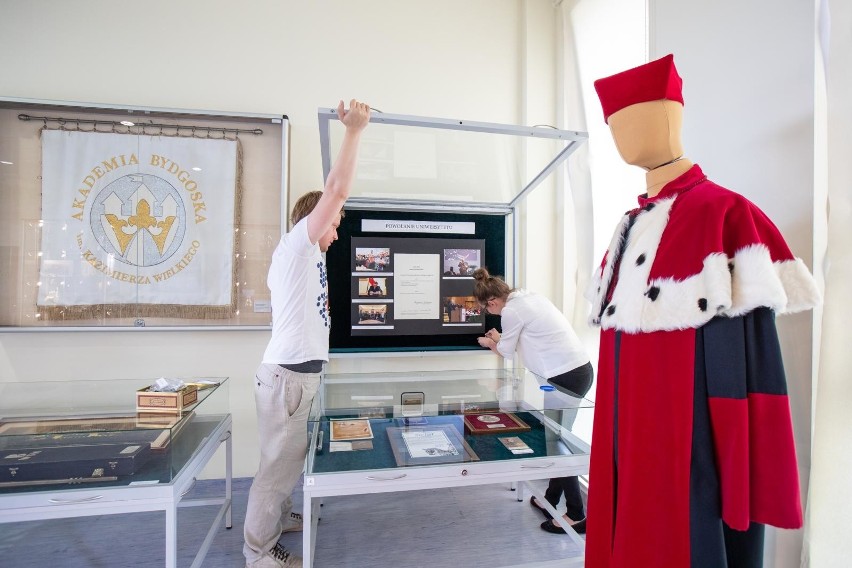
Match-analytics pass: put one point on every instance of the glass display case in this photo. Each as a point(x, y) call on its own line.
point(81, 448)
point(433, 200)
point(382, 432)
point(89, 433)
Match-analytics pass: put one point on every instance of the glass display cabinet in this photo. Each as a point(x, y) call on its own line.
point(81, 448)
point(433, 200)
point(382, 432)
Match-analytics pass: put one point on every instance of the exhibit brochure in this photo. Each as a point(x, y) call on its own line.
point(350, 446)
point(516, 445)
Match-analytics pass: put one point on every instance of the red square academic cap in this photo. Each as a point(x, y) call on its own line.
point(649, 82)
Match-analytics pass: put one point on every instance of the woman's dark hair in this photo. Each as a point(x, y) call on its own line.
point(487, 286)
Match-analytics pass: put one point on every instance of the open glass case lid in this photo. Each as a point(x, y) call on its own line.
point(436, 161)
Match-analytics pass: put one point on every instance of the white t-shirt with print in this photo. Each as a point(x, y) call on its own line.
point(299, 284)
point(539, 332)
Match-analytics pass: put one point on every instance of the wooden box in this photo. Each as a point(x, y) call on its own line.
point(166, 402)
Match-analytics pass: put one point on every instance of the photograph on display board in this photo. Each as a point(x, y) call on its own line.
point(461, 310)
point(372, 287)
point(370, 259)
point(460, 262)
point(372, 314)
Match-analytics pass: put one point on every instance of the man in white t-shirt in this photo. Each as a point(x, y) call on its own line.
point(288, 377)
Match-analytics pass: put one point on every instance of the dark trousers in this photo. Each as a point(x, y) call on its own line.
point(577, 383)
point(570, 487)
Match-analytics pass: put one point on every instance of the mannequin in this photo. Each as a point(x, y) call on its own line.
point(648, 135)
point(692, 448)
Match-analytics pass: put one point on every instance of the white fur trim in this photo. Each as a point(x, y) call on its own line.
point(786, 286)
point(597, 287)
point(734, 288)
point(755, 282)
point(802, 291)
point(643, 241)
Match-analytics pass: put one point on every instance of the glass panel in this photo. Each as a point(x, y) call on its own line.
point(440, 160)
point(92, 433)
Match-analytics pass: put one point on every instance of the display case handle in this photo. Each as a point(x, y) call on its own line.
point(191, 486)
point(551, 464)
point(374, 478)
point(72, 501)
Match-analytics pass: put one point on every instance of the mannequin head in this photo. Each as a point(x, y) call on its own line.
point(648, 134)
point(644, 109)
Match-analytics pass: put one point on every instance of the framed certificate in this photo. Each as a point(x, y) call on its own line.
point(345, 430)
point(493, 423)
point(426, 445)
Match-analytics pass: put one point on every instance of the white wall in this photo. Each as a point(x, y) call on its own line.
point(478, 60)
point(748, 73)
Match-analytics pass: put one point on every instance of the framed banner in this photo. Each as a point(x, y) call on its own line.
point(127, 217)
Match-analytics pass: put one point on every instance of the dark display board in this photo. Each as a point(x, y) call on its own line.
point(404, 280)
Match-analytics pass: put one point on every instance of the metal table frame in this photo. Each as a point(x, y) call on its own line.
point(167, 497)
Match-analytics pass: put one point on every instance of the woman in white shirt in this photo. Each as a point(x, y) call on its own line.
point(534, 328)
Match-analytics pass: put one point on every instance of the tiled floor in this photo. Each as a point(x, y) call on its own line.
point(461, 527)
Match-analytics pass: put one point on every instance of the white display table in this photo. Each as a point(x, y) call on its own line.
point(453, 404)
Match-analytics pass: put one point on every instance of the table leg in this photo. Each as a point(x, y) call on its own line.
point(229, 462)
point(171, 536)
point(307, 530)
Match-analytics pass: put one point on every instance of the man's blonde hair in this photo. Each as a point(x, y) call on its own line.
point(305, 205)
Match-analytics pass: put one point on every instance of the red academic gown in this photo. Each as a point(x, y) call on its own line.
point(692, 431)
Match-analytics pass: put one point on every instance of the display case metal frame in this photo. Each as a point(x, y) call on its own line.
point(519, 470)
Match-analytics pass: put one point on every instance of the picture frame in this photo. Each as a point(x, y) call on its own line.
point(493, 423)
point(428, 445)
point(343, 430)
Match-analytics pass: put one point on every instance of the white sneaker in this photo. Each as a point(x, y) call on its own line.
point(277, 557)
point(293, 523)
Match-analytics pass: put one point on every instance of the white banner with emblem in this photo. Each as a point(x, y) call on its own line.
point(134, 219)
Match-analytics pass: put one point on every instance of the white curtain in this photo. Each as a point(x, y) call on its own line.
point(601, 186)
point(828, 542)
point(599, 38)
